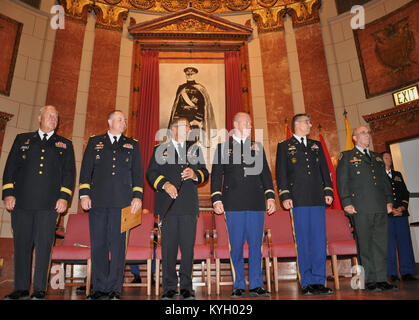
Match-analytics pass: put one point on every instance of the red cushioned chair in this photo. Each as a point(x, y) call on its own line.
point(222, 251)
point(140, 248)
point(75, 248)
point(340, 241)
point(202, 252)
point(280, 239)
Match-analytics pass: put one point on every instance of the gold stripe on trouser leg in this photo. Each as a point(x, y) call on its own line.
point(295, 242)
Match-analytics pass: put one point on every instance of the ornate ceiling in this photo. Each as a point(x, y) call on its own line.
point(268, 14)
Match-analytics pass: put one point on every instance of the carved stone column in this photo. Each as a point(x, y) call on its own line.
point(105, 65)
point(313, 71)
point(65, 65)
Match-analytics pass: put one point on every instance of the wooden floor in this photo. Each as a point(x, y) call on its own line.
point(288, 290)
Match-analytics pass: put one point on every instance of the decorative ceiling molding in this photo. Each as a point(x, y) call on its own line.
point(268, 14)
point(107, 16)
point(190, 24)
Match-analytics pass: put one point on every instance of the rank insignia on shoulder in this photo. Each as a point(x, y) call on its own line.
point(128, 146)
point(61, 145)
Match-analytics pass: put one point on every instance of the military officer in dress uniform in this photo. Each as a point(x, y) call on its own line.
point(305, 188)
point(38, 182)
point(241, 195)
point(111, 178)
point(398, 228)
point(176, 168)
point(366, 195)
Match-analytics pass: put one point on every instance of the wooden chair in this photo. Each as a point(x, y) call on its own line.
point(202, 253)
point(140, 248)
point(75, 248)
point(340, 241)
point(280, 239)
point(222, 251)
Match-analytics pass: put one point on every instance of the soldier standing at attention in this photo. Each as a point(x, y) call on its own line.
point(111, 178)
point(305, 188)
point(366, 196)
point(175, 171)
point(241, 195)
point(398, 228)
point(38, 182)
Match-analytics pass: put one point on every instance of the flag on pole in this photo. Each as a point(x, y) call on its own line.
point(336, 204)
point(288, 134)
point(349, 145)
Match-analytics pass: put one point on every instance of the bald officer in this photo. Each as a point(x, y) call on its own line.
point(111, 178)
point(242, 187)
point(38, 182)
point(366, 195)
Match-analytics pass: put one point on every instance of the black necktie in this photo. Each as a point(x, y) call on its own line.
point(44, 139)
point(366, 154)
point(114, 141)
point(302, 141)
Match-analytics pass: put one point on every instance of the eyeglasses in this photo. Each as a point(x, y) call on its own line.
point(364, 132)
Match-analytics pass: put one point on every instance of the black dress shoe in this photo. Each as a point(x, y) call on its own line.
point(259, 292)
point(237, 293)
point(38, 295)
point(308, 290)
point(385, 286)
point(98, 295)
point(187, 295)
point(372, 287)
point(394, 278)
point(169, 295)
point(321, 289)
point(114, 296)
point(409, 277)
point(18, 295)
point(137, 279)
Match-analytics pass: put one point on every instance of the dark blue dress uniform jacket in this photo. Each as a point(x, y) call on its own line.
point(111, 175)
point(39, 173)
point(240, 191)
point(400, 192)
point(166, 166)
point(302, 173)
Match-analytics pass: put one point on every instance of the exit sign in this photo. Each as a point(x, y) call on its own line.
point(406, 95)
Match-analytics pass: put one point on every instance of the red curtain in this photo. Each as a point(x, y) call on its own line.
point(233, 92)
point(148, 116)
